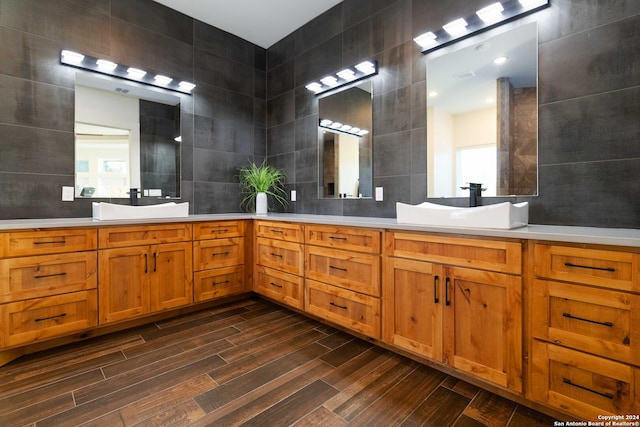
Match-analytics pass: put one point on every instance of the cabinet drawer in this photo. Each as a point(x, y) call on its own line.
point(282, 287)
point(344, 238)
point(217, 229)
point(350, 309)
point(23, 243)
point(218, 253)
point(280, 230)
point(590, 319)
point(280, 255)
point(483, 254)
point(218, 283)
point(584, 385)
point(44, 275)
point(607, 269)
point(33, 320)
point(355, 271)
point(118, 237)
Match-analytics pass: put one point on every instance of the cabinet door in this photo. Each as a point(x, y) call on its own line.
point(483, 325)
point(171, 276)
point(123, 283)
point(413, 306)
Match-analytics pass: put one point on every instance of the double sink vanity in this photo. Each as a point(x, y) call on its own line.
point(545, 315)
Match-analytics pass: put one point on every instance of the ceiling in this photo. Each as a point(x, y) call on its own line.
point(262, 22)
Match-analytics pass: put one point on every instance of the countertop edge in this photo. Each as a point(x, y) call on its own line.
point(570, 234)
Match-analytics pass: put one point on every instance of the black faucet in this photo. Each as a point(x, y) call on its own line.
point(133, 196)
point(475, 191)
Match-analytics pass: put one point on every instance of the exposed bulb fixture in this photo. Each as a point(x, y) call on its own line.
point(346, 74)
point(186, 86)
point(162, 80)
point(105, 65)
point(366, 67)
point(425, 40)
point(314, 87)
point(72, 57)
point(329, 81)
point(136, 73)
point(342, 128)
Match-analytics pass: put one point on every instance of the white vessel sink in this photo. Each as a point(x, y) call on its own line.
point(110, 211)
point(500, 215)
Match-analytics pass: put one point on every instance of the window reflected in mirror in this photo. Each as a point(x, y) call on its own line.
point(345, 143)
point(482, 114)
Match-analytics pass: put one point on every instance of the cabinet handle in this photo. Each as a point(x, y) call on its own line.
point(276, 255)
point(155, 261)
point(146, 263)
point(273, 230)
point(570, 264)
point(55, 242)
point(221, 253)
point(570, 316)
point(436, 300)
point(568, 381)
point(220, 230)
point(44, 276)
point(339, 306)
point(337, 238)
point(338, 268)
point(220, 283)
point(447, 300)
point(50, 318)
point(277, 286)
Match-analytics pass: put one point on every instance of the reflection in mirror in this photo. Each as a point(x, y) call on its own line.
point(345, 143)
point(127, 136)
point(482, 114)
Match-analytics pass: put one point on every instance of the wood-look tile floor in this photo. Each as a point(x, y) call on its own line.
point(249, 363)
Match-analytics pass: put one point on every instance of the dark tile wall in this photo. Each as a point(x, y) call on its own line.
point(223, 123)
point(589, 105)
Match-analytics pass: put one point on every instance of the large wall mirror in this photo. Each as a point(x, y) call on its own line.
point(482, 114)
point(345, 143)
point(127, 136)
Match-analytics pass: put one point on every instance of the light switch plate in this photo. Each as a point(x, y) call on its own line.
point(379, 194)
point(67, 194)
point(293, 195)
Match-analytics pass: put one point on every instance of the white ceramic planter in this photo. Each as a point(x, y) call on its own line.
point(261, 204)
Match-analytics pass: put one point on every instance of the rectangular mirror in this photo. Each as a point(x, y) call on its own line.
point(482, 114)
point(127, 136)
point(345, 143)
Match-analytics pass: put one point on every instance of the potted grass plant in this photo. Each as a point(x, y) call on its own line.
point(258, 182)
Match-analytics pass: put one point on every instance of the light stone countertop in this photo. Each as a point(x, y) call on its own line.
point(594, 235)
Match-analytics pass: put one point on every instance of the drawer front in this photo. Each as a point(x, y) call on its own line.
point(590, 319)
point(350, 309)
point(218, 253)
point(354, 271)
point(607, 269)
point(217, 229)
point(280, 255)
point(217, 283)
point(33, 320)
point(45, 275)
point(23, 243)
point(285, 288)
point(493, 255)
point(584, 385)
point(280, 230)
point(353, 239)
point(118, 237)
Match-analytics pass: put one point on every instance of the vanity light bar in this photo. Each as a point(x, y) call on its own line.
point(344, 128)
point(344, 77)
point(103, 66)
point(484, 19)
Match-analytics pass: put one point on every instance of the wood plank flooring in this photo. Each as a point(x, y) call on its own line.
point(249, 363)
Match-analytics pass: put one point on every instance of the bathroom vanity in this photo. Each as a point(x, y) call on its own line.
point(545, 315)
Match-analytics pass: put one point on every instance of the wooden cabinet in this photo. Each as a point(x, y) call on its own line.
point(139, 279)
point(48, 282)
point(467, 318)
point(585, 340)
point(342, 276)
point(279, 255)
point(218, 259)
